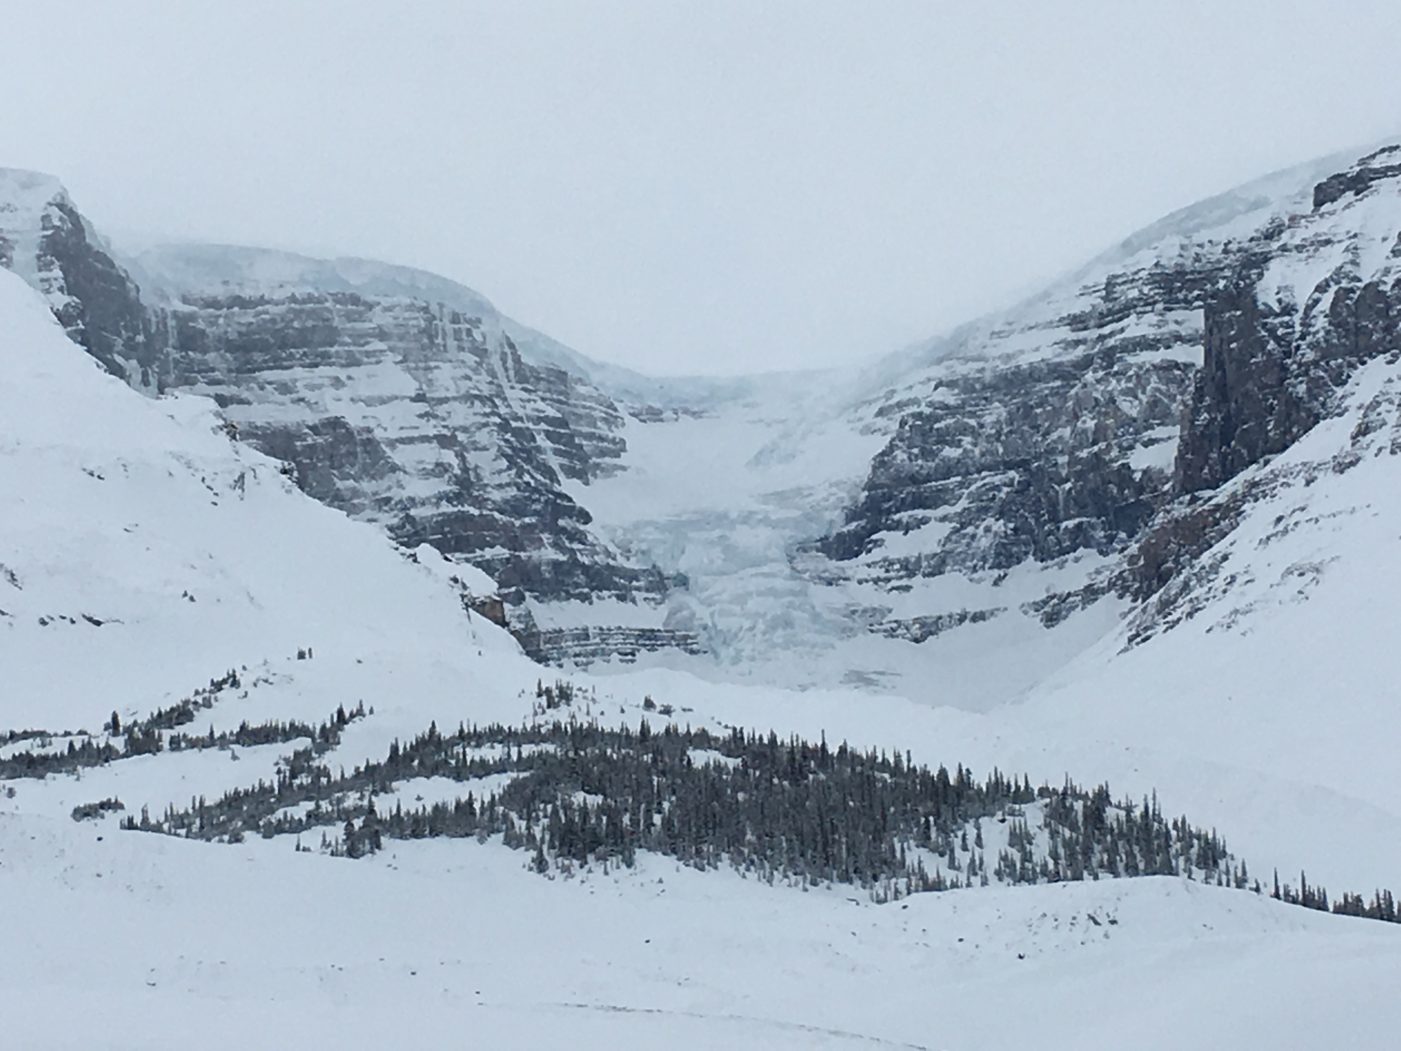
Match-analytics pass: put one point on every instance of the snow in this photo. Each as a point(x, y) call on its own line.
point(179, 269)
point(25, 200)
point(1353, 236)
point(1161, 452)
point(477, 581)
point(725, 498)
point(915, 540)
point(551, 615)
point(426, 791)
point(459, 943)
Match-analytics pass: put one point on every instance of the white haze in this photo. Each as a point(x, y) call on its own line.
point(688, 187)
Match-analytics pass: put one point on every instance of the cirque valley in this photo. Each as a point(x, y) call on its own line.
point(367, 652)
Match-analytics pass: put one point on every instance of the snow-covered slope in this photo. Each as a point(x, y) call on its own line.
point(1271, 656)
point(145, 552)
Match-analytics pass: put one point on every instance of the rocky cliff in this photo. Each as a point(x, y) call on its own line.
point(398, 396)
point(1317, 295)
point(45, 240)
point(1313, 296)
point(1065, 434)
point(405, 400)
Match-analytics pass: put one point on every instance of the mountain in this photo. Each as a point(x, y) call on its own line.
point(965, 516)
point(1032, 470)
point(147, 551)
point(1313, 301)
point(405, 400)
point(265, 775)
point(395, 395)
point(1049, 437)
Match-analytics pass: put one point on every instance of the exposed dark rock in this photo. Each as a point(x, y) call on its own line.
point(918, 629)
point(492, 608)
point(1269, 374)
point(1175, 540)
point(1041, 450)
point(331, 458)
point(104, 313)
point(1358, 179)
point(43, 237)
point(1274, 359)
point(587, 645)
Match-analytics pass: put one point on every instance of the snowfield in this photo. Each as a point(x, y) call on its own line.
point(134, 941)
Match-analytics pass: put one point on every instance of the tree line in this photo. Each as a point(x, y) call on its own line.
point(160, 732)
point(782, 809)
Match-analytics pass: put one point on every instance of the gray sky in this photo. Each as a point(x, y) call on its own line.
point(690, 186)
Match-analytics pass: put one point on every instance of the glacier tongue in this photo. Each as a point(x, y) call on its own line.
point(725, 496)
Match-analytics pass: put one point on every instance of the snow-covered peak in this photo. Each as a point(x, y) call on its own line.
point(1238, 212)
point(1349, 237)
point(172, 272)
point(21, 188)
point(1196, 236)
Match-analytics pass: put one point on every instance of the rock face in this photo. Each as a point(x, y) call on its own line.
point(45, 240)
point(419, 414)
point(1042, 436)
point(1072, 429)
point(1313, 298)
point(397, 396)
point(1046, 451)
point(1316, 297)
point(1384, 163)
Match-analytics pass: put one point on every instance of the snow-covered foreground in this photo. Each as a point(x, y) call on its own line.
point(139, 941)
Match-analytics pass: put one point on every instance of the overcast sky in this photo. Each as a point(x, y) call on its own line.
point(690, 186)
